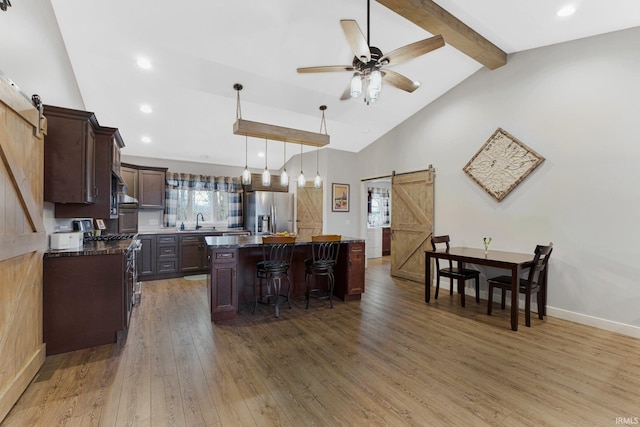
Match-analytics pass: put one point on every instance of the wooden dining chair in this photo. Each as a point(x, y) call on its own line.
point(534, 283)
point(324, 249)
point(277, 254)
point(453, 273)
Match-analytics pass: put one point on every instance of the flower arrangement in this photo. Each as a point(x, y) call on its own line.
point(486, 241)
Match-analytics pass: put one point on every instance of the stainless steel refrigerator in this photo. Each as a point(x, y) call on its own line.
point(267, 212)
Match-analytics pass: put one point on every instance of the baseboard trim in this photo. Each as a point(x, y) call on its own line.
point(583, 319)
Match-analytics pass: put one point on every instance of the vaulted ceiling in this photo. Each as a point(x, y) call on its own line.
point(199, 49)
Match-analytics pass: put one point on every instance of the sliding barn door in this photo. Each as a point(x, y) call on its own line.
point(22, 243)
point(309, 210)
point(411, 223)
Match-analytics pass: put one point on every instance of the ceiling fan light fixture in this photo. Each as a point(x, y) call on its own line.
point(356, 85)
point(375, 81)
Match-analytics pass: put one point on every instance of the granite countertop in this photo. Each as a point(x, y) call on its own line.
point(234, 242)
point(109, 247)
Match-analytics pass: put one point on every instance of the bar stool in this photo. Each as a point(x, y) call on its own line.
point(277, 253)
point(324, 250)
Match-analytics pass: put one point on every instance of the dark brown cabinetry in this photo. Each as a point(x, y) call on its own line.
point(222, 283)
point(256, 184)
point(386, 241)
point(147, 184)
point(193, 253)
point(108, 143)
point(350, 271)
point(128, 220)
point(166, 253)
point(146, 258)
point(69, 157)
point(85, 301)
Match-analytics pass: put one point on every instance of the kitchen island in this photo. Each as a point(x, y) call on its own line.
point(232, 271)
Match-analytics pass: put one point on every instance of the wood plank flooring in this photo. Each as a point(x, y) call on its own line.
point(388, 360)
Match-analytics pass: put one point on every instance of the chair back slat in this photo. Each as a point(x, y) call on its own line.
point(325, 248)
point(278, 249)
point(441, 240)
point(540, 261)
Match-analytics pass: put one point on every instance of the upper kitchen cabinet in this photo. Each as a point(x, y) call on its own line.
point(108, 143)
point(146, 184)
point(69, 156)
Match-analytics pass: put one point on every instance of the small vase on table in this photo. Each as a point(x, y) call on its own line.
point(486, 241)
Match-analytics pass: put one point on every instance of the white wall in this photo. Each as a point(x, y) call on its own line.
point(575, 104)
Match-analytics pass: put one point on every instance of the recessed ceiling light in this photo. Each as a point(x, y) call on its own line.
point(566, 11)
point(145, 139)
point(145, 108)
point(261, 154)
point(144, 63)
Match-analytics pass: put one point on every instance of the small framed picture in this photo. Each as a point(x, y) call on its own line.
point(100, 224)
point(340, 197)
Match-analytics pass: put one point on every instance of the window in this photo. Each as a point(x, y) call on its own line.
point(213, 205)
point(378, 207)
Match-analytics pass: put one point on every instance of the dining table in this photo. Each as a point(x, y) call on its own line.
point(515, 262)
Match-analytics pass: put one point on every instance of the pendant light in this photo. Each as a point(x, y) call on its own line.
point(266, 176)
point(246, 173)
point(284, 176)
point(317, 182)
point(301, 180)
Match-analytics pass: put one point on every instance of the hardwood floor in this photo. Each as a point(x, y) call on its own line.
point(389, 359)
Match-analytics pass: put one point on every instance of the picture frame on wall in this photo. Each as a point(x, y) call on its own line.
point(340, 197)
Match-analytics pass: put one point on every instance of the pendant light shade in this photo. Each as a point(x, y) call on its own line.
point(317, 182)
point(246, 173)
point(284, 176)
point(266, 176)
point(301, 180)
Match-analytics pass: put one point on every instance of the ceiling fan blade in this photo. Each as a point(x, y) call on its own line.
point(356, 39)
point(346, 94)
point(412, 50)
point(326, 69)
point(399, 81)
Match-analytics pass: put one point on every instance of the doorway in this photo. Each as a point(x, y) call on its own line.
point(376, 221)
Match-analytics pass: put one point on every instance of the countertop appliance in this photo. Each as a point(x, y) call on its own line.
point(267, 212)
point(66, 240)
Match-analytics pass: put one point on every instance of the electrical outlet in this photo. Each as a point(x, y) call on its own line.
point(153, 222)
point(347, 222)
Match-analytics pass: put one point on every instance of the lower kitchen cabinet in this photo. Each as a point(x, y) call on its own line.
point(222, 286)
point(86, 301)
point(193, 253)
point(350, 271)
point(147, 256)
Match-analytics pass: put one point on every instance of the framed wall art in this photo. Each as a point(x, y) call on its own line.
point(340, 197)
point(501, 164)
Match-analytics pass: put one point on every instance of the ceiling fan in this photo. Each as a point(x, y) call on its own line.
point(369, 63)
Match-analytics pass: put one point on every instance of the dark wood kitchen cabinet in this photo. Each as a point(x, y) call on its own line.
point(108, 143)
point(193, 253)
point(350, 271)
point(222, 283)
point(386, 241)
point(147, 184)
point(127, 220)
point(69, 156)
point(86, 301)
point(166, 254)
point(146, 258)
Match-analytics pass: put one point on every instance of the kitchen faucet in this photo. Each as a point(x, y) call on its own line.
point(198, 226)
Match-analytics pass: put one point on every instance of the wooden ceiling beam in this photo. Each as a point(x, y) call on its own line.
point(436, 20)
point(279, 133)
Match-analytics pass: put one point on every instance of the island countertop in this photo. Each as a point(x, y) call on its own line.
point(235, 242)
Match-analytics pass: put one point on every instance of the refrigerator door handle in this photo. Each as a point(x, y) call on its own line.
point(273, 219)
